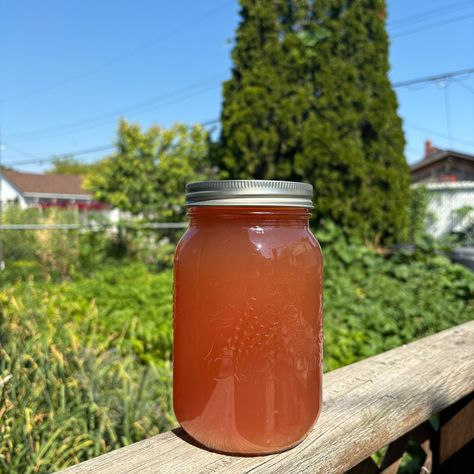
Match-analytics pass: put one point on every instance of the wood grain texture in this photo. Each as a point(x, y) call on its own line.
point(366, 406)
point(457, 430)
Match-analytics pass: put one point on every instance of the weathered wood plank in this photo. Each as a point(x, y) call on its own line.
point(367, 466)
point(457, 428)
point(366, 406)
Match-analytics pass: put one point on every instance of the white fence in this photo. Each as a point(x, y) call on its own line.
point(92, 226)
point(445, 202)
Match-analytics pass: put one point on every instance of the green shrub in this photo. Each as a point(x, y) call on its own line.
point(374, 303)
point(165, 255)
point(19, 245)
point(66, 394)
point(154, 247)
point(90, 356)
point(20, 270)
point(130, 299)
point(55, 252)
point(59, 253)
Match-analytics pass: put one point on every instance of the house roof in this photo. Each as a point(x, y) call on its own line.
point(439, 155)
point(46, 184)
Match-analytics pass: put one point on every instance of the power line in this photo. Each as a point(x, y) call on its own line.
point(435, 78)
point(396, 24)
point(412, 152)
point(148, 105)
point(441, 78)
point(468, 88)
point(19, 150)
point(46, 159)
point(122, 57)
point(213, 122)
point(433, 25)
point(427, 79)
point(210, 122)
point(402, 22)
point(437, 134)
point(82, 152)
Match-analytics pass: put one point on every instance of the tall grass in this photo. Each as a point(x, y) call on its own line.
point(65, 396)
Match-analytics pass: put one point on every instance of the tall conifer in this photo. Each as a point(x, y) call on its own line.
point(310, 99)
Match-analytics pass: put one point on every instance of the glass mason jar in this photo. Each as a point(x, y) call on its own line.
point(248, 317)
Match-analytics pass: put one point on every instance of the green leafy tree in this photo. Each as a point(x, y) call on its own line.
point(147, 174)
point(70, 165)
point(310, 100)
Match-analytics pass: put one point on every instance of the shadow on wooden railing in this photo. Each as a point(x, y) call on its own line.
point(382, 401)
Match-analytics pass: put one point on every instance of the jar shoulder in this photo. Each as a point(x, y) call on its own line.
point(267, 241)
point(184, 243)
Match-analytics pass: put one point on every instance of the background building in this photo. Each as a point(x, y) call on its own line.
point(443, 166)
point(46, 190)
point(449, 178)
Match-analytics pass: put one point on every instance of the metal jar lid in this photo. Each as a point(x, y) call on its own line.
point(249, 193)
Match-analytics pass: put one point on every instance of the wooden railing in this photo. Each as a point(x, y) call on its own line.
point(385, 400)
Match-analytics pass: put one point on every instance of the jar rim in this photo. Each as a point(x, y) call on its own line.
point(242, 192)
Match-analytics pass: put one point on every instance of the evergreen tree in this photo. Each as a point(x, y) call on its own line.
point(264, 100)
point(310, 100)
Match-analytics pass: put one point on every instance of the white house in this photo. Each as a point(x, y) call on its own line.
point(45, 190)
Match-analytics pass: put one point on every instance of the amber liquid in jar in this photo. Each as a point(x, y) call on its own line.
point(248, 328)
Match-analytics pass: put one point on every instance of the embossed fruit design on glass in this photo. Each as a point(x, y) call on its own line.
point(248, 317)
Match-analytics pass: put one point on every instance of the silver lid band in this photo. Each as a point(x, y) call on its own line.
point(249, 193)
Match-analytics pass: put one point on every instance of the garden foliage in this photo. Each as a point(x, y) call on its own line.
point(69, 392)
point(147, 174)
point(85, 361)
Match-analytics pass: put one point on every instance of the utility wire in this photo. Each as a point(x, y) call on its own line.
point(395, 25)
point(430, 14)
point(21, 151)
point(435, 78)
point(468, 88)
point(427, 79)
point(433, 25)
point(123, 56)
point(132, 114)
point(86, 151)
point(149, 104)
point(412, 152)
point(437, 134)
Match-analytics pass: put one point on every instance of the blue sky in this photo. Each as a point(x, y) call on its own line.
point(69, 70)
